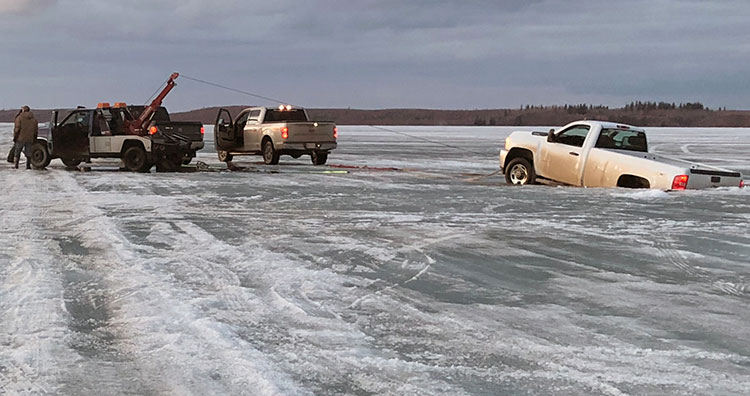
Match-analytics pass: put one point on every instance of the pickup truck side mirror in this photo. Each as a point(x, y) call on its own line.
point(551, 138)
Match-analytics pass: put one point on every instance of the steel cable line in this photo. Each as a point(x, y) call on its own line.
point(159, 88)
point(371, 126)
point(426, 140)
point(232, 89)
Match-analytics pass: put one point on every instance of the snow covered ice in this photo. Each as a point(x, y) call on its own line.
point(422, 282)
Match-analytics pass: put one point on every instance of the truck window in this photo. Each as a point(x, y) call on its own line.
point(254, 116)
point(80, 118)
point(241, 121)
point(161, 113)
point(575, 136)
point(286, 115)
point(622, 139)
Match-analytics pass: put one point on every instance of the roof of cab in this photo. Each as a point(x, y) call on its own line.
point(608, 125)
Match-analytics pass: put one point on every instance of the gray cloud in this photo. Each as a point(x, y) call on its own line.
point(24, 6)
point(421, 53)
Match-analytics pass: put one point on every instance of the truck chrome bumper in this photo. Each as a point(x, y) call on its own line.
point(308, 146)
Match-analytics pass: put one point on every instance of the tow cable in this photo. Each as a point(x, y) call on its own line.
point(204, 166)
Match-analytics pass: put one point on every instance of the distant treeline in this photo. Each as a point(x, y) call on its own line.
point(660, 114)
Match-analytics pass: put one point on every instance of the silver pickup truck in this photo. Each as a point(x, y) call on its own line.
point(272, 132)
point(603, 154)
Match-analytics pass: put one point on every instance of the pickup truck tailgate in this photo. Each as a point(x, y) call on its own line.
point(705, 177)
point(310, 132)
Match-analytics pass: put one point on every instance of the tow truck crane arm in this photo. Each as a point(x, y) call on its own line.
point(135, 127)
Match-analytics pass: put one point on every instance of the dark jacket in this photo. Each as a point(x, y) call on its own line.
point(27, 129)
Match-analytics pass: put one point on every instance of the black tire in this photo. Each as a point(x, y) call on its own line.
point(40, 157)
point(270, 155)
point(319, 157)
point(520, 172)
point(224, 156)
point(136, 160)
point(186, 161)
point(71, 162)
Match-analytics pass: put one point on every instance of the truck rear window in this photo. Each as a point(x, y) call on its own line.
point(286, 115)
point(622, 139)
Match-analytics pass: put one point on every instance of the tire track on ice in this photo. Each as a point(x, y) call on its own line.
point(177, 349)
point(268, 301)
point(33, 320)
point(676, 258)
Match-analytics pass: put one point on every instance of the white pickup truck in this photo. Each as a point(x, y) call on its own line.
point(272, 132)
point(603, 154)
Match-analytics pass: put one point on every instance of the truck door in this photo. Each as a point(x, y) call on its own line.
point(70, 139)
point(225, 133)
point(561, 159)
point(253, 131)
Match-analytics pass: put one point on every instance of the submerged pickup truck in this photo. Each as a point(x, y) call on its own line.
point(273, 132)
point(603, 154)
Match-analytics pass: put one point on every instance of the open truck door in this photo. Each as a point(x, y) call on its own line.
point(226, 136)
point(70, 139)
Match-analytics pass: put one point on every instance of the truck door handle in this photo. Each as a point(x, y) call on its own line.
point(573, 153)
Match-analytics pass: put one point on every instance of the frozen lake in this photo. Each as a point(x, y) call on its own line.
point(425, 281)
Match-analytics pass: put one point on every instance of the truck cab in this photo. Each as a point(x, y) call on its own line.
point(272, 132)
point(84, 134)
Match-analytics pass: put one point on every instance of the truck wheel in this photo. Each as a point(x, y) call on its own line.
point(319, 157)
point(520, 171)
point(224, 156)
point(270, 155)
point(71, 162)
point(136, 160)
point(40, 157)
point(187, 161)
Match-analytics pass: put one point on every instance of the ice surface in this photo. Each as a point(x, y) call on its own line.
point(425, 281)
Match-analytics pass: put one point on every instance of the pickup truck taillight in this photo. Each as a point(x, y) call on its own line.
point(203, 130)
point(680, 182)
point(153, 130)
point(335, 132)
point(742, 183)
point(284, 132)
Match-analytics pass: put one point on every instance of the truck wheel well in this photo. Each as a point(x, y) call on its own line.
point(132, 143)
point(632, 181)
point(265, 139)
point(518, 152)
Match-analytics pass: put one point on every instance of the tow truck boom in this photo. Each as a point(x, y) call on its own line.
point(135, 127)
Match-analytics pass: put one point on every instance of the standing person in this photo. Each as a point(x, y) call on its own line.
point(24, 134)
point(12, 152)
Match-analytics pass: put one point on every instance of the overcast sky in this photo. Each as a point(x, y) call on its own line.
point(376, 54)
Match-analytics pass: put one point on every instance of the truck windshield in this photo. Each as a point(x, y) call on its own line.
point(622, 139)
point(286, 115)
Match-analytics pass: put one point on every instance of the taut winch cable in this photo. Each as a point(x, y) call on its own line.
point(462, 149)
point(234, 90)
point(425, 139)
